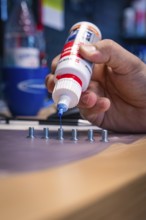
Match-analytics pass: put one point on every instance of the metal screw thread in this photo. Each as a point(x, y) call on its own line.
point(74, 135)
point(30, 132)
point(60, 134)
point(90, 135)
point(104, 136)
point(46, 133)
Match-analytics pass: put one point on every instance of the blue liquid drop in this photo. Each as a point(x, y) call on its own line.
point(60, 120)
point(61, 109)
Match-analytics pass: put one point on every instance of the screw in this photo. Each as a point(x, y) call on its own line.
point(90, 135)
point(60, 133)
point(46, 133)
point(30, 132)
point(104, 136)
point(74, 135)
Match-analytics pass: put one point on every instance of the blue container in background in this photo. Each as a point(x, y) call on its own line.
point(24, 89)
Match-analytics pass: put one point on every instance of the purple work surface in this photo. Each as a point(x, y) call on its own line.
point(21, 154)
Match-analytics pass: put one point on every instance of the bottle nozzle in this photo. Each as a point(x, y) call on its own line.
point(61, 109)
point(60, 112)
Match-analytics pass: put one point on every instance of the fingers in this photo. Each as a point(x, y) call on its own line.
point(49, 81)
point(93, 107)
point(112, 63)
point(89, 100)
point(54, 63)
point(113, 55)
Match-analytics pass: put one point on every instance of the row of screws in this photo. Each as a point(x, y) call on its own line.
point(104, 134)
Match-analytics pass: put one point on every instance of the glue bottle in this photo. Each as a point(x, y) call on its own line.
point(73, 73)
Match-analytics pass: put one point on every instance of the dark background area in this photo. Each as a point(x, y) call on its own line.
point(107, 15)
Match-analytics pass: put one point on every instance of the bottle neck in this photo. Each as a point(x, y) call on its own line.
point(63, 104)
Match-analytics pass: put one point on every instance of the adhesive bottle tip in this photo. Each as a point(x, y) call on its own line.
point(63, 105)
point(61, 109)
point(67, 93)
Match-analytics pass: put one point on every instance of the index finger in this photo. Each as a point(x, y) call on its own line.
point(54, 63)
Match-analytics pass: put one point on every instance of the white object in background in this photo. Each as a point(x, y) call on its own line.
point(26, 57)
point(140, 17)
point(21, 38)
point(129, 22)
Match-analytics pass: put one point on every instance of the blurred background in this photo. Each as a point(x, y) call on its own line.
point(123, 21)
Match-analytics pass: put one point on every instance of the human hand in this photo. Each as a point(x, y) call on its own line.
point(116, 96)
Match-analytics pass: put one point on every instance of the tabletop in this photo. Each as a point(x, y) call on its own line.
point(105, 184)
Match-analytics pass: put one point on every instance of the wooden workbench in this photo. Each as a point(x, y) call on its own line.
point(110, 185)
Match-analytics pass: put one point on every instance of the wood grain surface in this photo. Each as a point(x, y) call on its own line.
point(110, 185)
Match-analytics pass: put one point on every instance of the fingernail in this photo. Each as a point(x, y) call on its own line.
point(89, 48)
point(85, 98)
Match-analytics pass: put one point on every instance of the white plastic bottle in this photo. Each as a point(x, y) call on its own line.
point(73, 73)
point(21, 43)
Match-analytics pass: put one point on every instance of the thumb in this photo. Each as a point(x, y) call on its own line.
point(111, 54)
